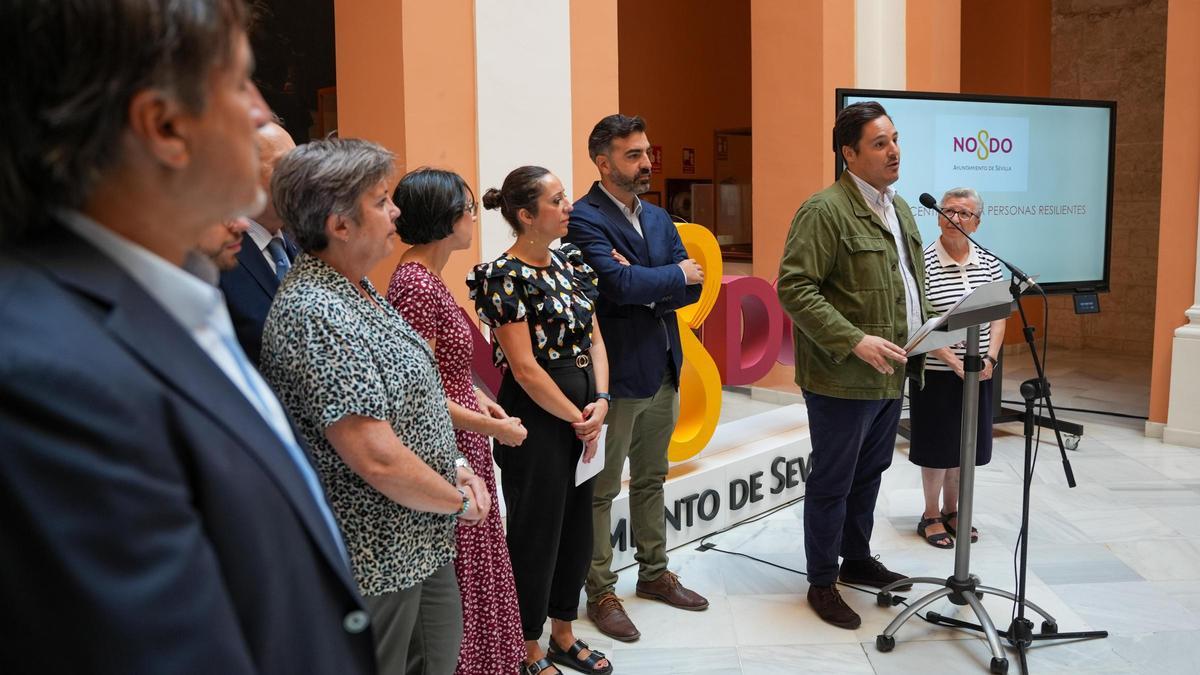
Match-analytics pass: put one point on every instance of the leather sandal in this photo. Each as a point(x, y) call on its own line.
point(539, 666)
point(947, 517)
point(570, 658)
point(939, 540)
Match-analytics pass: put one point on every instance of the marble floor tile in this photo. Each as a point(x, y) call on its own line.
point(1114, 471)
point(1075, 656)
point(1088, 496)
point(1166, 560)
point(1176, 467)
point(749, 577)
point(1128, 607)
point(1080, 564)
point(942, 656)
point(1155, 493)
point(843, 659)
point(1186, 593)
point(698, 661)
point(1162, 653)
point(1117, 525)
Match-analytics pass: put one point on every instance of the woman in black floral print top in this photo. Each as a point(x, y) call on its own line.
point(539, 304)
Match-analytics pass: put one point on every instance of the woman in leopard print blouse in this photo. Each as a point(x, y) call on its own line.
point(363, 387)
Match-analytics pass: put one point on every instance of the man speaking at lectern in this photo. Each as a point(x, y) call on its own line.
point(851, 279)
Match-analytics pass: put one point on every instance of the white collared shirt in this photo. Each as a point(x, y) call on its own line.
point(261, 238)
point(199, 307)
point(192, 301)
point(634, 216)
point(883, 204)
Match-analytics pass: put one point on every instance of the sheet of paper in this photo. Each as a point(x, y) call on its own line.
point(938, 339)
point(991, 293)
point(928, 337)
point(592, 468)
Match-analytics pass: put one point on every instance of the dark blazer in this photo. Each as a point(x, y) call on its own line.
point(249, 289)
point(151, 520)
point(635, 336)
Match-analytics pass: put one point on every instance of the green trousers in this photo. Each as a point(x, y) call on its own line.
point(640, 429)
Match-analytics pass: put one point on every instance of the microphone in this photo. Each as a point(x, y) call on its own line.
point(929, 202)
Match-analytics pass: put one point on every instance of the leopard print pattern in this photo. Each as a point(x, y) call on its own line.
point(330, 353)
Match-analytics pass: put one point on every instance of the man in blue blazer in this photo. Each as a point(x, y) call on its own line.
point(267, 253)
point(645, 275)
point(158, 513)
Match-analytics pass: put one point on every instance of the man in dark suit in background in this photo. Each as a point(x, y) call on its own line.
point(222, 243)
point(266, 255)
point(645, 275)
point(158, 513)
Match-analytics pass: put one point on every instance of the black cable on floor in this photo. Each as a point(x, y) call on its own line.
point(1085, 410)
point(706, 546)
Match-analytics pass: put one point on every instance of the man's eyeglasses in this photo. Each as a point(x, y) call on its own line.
point(958, 215)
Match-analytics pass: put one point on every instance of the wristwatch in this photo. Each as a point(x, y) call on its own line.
point(604, 395)
point(466, 504)
point(991, 358)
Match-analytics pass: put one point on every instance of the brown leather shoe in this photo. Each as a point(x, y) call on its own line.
point(609, 616)
point(667, 589)
point(828, 604)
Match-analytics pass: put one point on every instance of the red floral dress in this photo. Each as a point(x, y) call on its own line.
point(492, 640)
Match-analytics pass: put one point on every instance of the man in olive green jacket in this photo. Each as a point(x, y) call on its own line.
point(852, 280)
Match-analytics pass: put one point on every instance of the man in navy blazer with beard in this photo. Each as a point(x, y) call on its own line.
point(267, 252)
point(645, 275)
point(157, 514)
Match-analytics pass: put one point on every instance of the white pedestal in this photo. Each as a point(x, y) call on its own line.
point(1183, 412)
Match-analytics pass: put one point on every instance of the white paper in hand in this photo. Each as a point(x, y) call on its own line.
point(592, 468)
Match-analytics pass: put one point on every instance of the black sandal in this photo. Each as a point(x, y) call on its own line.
point(538, 666)
point(947, 517)
point(939, 540)
point(570, 658)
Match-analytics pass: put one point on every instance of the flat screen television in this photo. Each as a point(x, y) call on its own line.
point(1044, 168)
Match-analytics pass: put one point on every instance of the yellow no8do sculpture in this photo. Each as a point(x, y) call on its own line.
point(699, 381)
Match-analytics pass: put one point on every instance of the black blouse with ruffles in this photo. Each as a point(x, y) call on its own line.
point(557, 301)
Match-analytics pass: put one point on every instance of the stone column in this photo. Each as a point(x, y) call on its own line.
point(1183, 412)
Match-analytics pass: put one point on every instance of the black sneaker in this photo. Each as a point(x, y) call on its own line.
point(828, 604)
point(870, 572)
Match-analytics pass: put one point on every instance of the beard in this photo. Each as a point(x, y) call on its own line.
point(637, 184)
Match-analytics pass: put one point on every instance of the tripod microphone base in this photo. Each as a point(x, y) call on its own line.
point(968, 593)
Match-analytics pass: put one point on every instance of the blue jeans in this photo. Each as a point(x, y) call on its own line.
point(852, 445)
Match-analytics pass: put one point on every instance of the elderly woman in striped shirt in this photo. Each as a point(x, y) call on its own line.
point(953, 268)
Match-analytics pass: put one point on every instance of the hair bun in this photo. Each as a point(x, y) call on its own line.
point(491, 199)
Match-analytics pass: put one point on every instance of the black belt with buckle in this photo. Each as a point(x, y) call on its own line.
point(581, 361)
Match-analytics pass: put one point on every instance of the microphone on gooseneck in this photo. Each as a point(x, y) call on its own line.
point(929, 202)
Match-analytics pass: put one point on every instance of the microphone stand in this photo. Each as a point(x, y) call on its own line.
point(1020, 632)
